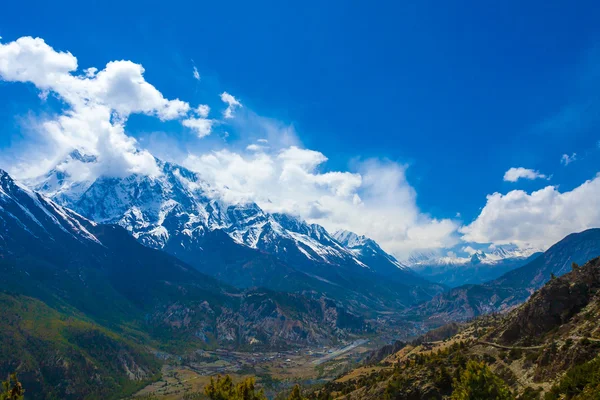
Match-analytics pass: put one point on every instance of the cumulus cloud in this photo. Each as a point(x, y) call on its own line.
point(568, 159)
point(514, 174)
point(202, 110)
point(538, 219)
point(375, 199)
point(469, 250)
point(232, 104)
point(98, 103)
point(201, 126)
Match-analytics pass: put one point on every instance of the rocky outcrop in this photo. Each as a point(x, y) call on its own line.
point(555, 303)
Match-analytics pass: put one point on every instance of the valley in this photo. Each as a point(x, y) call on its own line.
point(274, 371)
point(330, 303)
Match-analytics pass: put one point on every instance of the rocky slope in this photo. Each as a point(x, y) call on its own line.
point(514, 287)
point(547, 348)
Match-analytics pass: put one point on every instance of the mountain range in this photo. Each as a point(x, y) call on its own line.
point(514, 287)
point(143, 264)
point(238, 243)
point(474, 267)
point(85, 299)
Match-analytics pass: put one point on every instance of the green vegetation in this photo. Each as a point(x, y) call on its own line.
point(581, 382)
point(452, 372)
point(32, 333)
point(477, 381)
point(435, 369)
point(12, 389)
point(296, 393)
point(223, 389)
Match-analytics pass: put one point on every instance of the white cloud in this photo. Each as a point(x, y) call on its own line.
point(568, 159)
point(538, 219)
point(232, 104)
point(256, 147)
point(514, 174)
point(202, 110)
point(99, 103)
point(469, 250)
point(196, 73)
point(32, 60)
point(202, 126)
point(376, 199)
point(90, 72)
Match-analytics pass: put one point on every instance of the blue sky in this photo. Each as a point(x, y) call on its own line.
point(459, 91)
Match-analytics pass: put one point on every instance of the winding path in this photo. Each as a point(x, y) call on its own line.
point(499, 346)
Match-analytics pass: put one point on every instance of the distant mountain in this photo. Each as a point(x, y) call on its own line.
point(474, 268)
point(178, 212)
point(547, 348)
point(513, 287)
point(370, 253)
point(121, 296)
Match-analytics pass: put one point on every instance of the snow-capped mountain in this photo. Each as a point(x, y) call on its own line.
point(57, 256)
point(370, 253)
point(178, 200)
point(491, 257)
point(472, 266)
point(178, 212)
point(25, 215)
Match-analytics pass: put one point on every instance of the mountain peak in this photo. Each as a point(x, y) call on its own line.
point(350, 239)
point(4, 176)
point(77, 155)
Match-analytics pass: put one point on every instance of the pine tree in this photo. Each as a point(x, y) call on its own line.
point(223, 389)
point(296, 394)
point(12, 389)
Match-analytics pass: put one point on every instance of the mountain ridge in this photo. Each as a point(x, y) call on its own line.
point(515, 286)
point(547, 348)
point(178, 212)
point(473, 267)
point(124, 297)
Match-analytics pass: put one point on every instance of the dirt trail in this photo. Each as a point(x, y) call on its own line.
point(499, 346)
point(582, 338)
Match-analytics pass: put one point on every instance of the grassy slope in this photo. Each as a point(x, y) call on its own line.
point(65, 356)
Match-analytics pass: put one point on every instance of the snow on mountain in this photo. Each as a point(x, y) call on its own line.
point(491, 257)
point(350, 239)
point(26, 213)
point(154, 209)
point(370, 253)
point(58, 182)
point(467, 265)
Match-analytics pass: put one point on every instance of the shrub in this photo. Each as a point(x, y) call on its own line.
point(12, 389)
point(477, 382)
